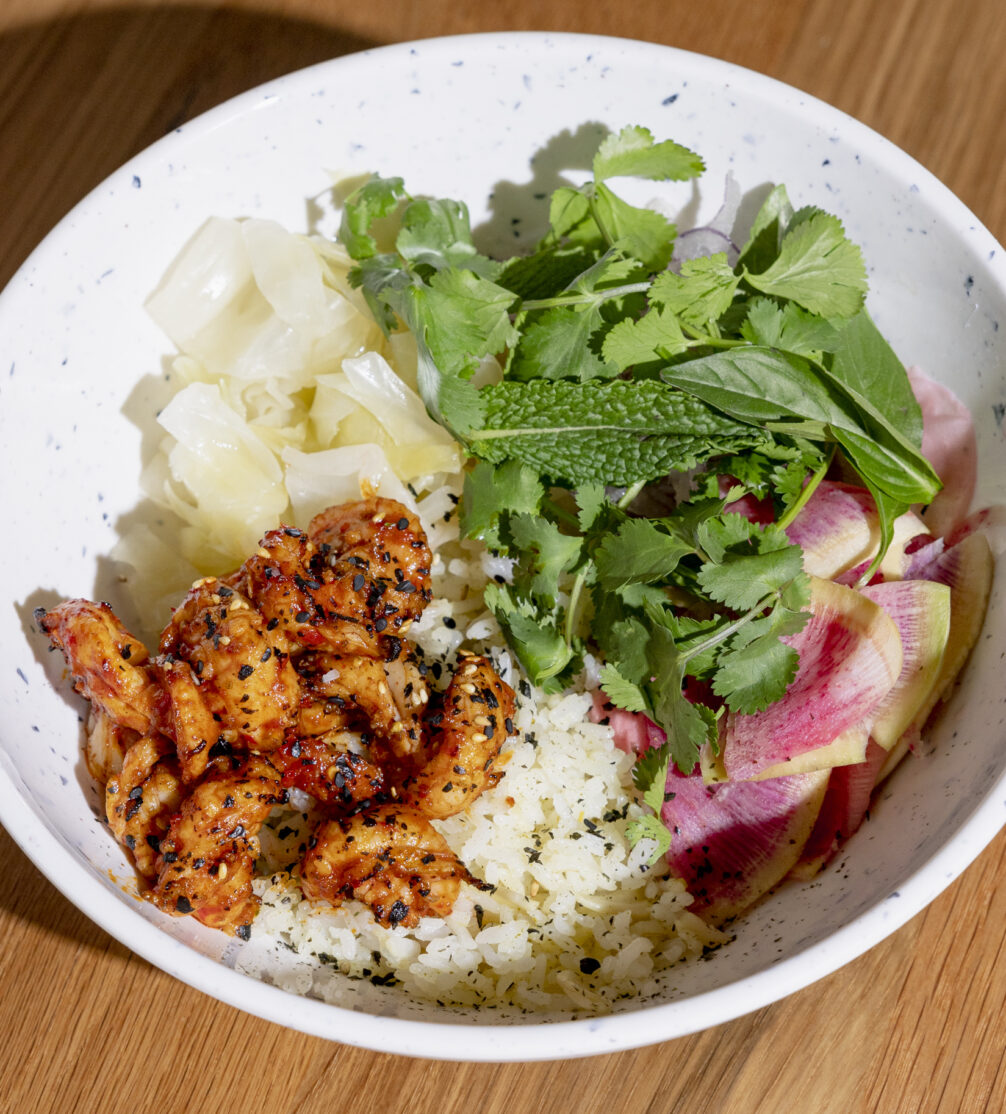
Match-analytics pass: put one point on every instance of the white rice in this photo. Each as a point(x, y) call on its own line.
point(575, 920)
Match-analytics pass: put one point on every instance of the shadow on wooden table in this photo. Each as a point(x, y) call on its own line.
point(83, 93)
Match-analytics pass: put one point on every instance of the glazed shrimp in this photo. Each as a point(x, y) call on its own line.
point(109, 665)
point(385, 699)
point(392, 859)
point(207, 857)
point(308, 602)
point(105, 745)
point(385, 540)
point(141, 797)
point(332, 774)
point(469, 728)
point(240, 670)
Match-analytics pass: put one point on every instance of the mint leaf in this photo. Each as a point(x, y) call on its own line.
point(633, 153)
point(817, 267)
point(612, 432)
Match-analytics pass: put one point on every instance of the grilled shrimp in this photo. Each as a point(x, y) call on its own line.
point(240, 669)
point(141, 797)
point(469, 728)
point(306, 600)
point(385, 541)
point(207, 856)
point(109, 665)
point(198, 735)
point(333, 775)
point(384, 699)
point(392, 859)
point(105, 745)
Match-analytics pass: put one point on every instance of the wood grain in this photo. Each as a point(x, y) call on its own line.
point(915, 1025)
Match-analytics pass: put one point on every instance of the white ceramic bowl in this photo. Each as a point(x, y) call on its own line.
point(496, 120)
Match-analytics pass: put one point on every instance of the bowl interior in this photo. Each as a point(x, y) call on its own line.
point(498, 121)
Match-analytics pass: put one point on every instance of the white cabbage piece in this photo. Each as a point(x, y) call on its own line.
point(235, 481)
point(319, 480)
point(395, 418)
point(287, 403)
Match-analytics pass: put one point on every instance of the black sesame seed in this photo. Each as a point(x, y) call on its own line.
point(182, 904)
point(588, 965)
point(245, 671)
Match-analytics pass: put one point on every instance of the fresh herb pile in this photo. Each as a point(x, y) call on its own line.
point(620, 371)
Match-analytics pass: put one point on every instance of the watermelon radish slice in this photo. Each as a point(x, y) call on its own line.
point(839, 532)
point(948, 443)
point(732, 843)
point(845, 804)
point(967, 569)
point(850, 657)
point(837, 529)
point(921, 612)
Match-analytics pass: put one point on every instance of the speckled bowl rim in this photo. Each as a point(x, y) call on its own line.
point(531, 1040)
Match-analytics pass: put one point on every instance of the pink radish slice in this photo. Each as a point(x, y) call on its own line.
point(850, 657)
point(837, 529)
point(634, 732)
point(732, 843)
point(921, 611)
point(845, 804)
point(967, 569)
point(839, 532)
point(948, 443)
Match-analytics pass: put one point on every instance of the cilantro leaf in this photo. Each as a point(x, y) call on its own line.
point(701, 293)
point(633, 153)
point(644, 234)
point(656, 335)
point(491, 492)
point(546, 552)
point(375, 199)
point(817, 267)
point(789, 327)
point(622, 692)
point(649, 827)
point(539, 645)
point(638, 551)
point(765, 238)
point(556, 345)
point(438, 234)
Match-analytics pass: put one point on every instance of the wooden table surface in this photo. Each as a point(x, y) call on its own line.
point(914, 1025)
